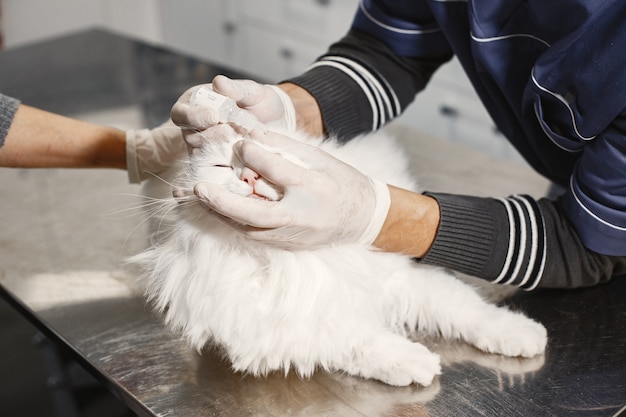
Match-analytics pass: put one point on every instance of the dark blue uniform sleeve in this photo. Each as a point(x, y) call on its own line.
point(517, 241)
point(578, 92)
point(596, 200)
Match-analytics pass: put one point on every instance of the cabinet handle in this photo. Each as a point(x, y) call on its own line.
point(229, 28)
point(448, 111)
point(286, 53)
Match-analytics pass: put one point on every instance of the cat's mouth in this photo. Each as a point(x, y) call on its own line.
point(258, 197)
point(263, 190)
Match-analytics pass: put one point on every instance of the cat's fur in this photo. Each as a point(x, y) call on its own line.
point(343, 308)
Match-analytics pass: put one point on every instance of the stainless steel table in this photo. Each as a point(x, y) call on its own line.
point(63, 241)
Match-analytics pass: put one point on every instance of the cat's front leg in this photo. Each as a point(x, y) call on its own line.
point(394, 360)
point(502, 331)
point(456, 311)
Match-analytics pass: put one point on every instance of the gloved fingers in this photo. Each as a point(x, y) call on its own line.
point(244, 210)
point(181, 192)
point(272, 139)
point(189, 116)
point(266, 236)
point(271, 166)
point(304, 152)
point(196, 139)
point(246, 93)
point(192, 117)
point(178, 113)
point(268, 103)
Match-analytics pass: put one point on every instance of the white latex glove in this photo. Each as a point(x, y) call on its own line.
point(149, 152)
point(325, 201)
point(268, 103)
point(271, 105)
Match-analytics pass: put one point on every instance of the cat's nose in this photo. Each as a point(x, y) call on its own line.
point(249, 176)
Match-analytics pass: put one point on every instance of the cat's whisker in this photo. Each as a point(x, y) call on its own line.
point(158, 209)
point(149, 208)
point(163, 216)
point(135, 209)
point(163, 180)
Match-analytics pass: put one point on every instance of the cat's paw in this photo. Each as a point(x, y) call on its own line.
point(516, 335)
point(405, 364)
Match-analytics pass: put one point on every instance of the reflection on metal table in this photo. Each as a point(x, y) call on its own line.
point(63, 249)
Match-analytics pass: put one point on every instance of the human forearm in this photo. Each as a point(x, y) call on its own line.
point(411, 223)
point(38, 139)
point(308, 114)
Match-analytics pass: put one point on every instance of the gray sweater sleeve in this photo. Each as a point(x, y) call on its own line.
point(517, 241)
point(8, 107)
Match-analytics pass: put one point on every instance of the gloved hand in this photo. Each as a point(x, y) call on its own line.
point(268, 103)
point(149, 152)
point(325, 201)
point(271, 105)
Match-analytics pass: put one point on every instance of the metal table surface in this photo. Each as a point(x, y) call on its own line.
point(63, 241)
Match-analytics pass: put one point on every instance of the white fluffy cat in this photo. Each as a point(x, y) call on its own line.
point(343, 308)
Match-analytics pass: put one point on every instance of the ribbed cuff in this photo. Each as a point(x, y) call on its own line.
point(472, 237)
point(346, 112)
point(8, 107)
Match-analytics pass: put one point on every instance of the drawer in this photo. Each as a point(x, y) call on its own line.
point(321, 20)
point(446, 113)
point(206, 29)
point(274, 57)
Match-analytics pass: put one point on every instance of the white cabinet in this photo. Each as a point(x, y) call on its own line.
point(270, 39)
point(283, 37)
point(313, 20)
point(26, 21)
point(139, 19)
point(208, 29)
point(273, 57)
